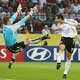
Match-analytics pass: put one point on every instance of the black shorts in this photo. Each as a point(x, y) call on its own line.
point(69, 43)
point(17, 47)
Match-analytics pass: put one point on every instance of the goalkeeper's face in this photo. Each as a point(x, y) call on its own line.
point(6, 20)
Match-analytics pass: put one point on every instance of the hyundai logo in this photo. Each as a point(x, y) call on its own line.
point(38, 54)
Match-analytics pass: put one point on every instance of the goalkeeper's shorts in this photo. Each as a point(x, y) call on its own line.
point(17, 47)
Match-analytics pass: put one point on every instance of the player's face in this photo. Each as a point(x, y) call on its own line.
point(8, 22)
point(58, 20)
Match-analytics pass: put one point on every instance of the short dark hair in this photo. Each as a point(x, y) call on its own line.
point(60, 16)
point(5, 20)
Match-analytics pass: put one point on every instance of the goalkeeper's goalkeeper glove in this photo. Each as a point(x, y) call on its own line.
point(19, 8)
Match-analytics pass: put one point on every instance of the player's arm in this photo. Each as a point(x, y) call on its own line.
point(12, 19)
point(58, 28)
point(76, 39)
point(23, 20)
point(71, 22)
point(78, 24)
point(75, 32)
point(43, 32)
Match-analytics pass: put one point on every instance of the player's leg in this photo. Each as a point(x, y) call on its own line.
point(35, 41)
point(58, 55)
point(15, 49)
point(14, 56)
point(21, 45)
point(70, 47)
point(67, 64)
point(60, 52)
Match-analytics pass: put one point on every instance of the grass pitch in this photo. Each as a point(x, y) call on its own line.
point(37, 71)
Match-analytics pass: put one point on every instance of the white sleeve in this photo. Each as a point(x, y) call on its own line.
point(58, 26)
point(53, 26)
point(71, 22)
point(75, 31)
point(43, 32)
point(49, 32)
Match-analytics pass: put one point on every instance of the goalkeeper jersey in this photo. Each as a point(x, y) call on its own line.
point(9, 34)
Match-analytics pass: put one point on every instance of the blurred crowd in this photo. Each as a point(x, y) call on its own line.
point(47, 12)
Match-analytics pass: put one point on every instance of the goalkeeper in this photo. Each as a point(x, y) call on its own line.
point(10, 34)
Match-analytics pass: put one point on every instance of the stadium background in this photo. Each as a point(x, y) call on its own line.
point(32, 29)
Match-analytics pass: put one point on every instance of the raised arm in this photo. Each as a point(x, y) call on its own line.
point(13, 18)
point(23, 20)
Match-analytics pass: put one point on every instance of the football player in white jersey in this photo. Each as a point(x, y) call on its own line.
point(68, 33)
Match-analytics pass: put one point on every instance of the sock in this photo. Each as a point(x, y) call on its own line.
point(35, 41)
point(67, 66)
point(12, 61)
point(58, 57)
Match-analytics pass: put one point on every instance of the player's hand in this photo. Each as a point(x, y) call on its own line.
point(36, 9)
point(31, 11)
point(19, 8)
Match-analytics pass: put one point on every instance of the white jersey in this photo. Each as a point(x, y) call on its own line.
point(68, 30)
